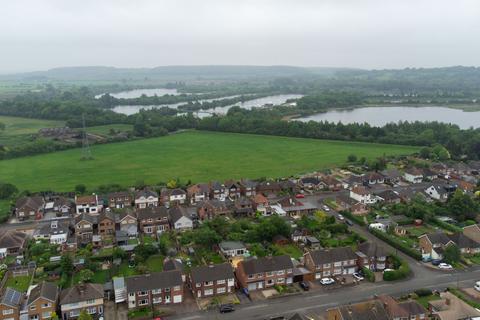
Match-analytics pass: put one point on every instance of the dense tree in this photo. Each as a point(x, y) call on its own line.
point(452, 254)
point(84, 316)
point(80, 188)
point(7, 190)
point(66, 263)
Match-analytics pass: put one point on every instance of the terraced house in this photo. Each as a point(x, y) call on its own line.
point(331, 262)
point(158, 288)
point(212, 280)
point(261, 273)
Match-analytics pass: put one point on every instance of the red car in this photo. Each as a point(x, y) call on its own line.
point(300, 196)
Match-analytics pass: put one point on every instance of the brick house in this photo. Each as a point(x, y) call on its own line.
point(261, 273)
point(372, 256)
point(153, 220)
point(210, 209)
point(217, 191)
point(363, 195)
point(331, 183)
point(248, 188)
point(472, 232)
point(146, 199)
point(119, 200)
point(84, 228)
point(10, 304)
point(158, 288)
point(42, 301)
point(232, 189)
point(127, 222)
point(433, 245)
point(409, 309)
point(212, 280)
point(243, 206)
point(106, 224)
point(88, 204)
point(12, 243)
point(180, 219)
point(371, 310)
point(269, 188)
point(87, 296)
point(198, 192)
point(30, 208)
point(331, 262)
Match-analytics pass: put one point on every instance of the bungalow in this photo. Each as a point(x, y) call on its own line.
point(472, 232)
point(310, 183)
point(261, 273)
point(248, 188)
point(153, 220)
point(127, 222)
point(413, 175)
point(363, 195)
point(295, 208)
point(198, 193)
point(30, 207)
point(331, 183)
point(371, 310)
point(232, 189)
point(372, 178)
point(42, 301)
point(331, 262)
point(210, 209)
point(88, 204)
point(56, 232)
point(160, 288)
point(179, 219)
point(119, 200)
point(269, 188)
point(217, 191)
point(146, 199)
point(212, 280)
point(231, 249)
point(450, 307)
point(86, 296)
point(409, 309)
point(12, 243)
point(10, 304)
point(433, 245)
point(372, 256)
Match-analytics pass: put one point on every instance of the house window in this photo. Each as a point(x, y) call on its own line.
point(250, 276)
point(198, 285)
point(280, 280)
point(269, 274)
point(74, 313)
point(208, 292)
point(326, 265)
point(33, 308)
point(46, 315)
point(157, 300)
point(92, 310)
point(143, 302)
point(8, 311)
point(156, 291)
point(208, 283)
point(142, 293)
point(221, 281)
point(132, 294)
point(281, 272)
point(176, 288)
point(221, 290)
point(337, 264)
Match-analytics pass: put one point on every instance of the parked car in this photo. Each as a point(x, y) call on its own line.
point(326, 208)
point(388, 270)
point(327, 281)
point(358, 276)
point(305, 286)
point(445, 266)
point(436, 262)
point(348, 222)
point(300, 196)
point(477, 286)
point(224, 308)
point(340, 217)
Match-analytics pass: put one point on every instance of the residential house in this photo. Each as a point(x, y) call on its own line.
point(88, 204)
point(391, 176)
point(429, 174)
point(119, 200)
point(56, 232)
point(10, 304)
point(212, 280)
point(269, 188)
point(179, 219)
point(388, 196)
point(261, 204)
point(359, 209)
point(170, 264)
point(310, 183)
point(146, 199)
point(331, 183)
point(85, 224)
point(210, 209)
point(63, 206)
point(367, 310)
point(30, 208)
point(217, 191)
point(42, 301)
point(450, 307)
point(248, 188)
point(243, 206)
point(413, 175)
point(198, 193)
point(409, 310)
point(372, 178)
point(153, 220)
point(331, 262)
point(296, 208)
point(433, 245)
point(127, 222)
point(12, 243)
point(472, 232)
point(174, 196)
point(231, 249)
point(160, 288)
point(437, 192)
point(354, 180)
point(106, 225)
point(86, 296)
point(363, 195)
point(232, 189)
point(372, 256)
point(261, 273)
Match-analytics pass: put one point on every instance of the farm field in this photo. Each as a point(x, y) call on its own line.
point(17, 126)
point(193, 155)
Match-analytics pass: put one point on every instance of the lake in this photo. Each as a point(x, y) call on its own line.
point(260, 102)
point(379, 116)
point(136, 93)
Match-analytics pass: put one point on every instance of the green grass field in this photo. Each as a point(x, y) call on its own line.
point(199, 156)
point(16, 126)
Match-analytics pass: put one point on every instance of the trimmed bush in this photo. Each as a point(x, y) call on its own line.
point(369, 275)
point(423, 292)
point(401, 273)
point(397, 244)
point(358, 220)
point(444, 225)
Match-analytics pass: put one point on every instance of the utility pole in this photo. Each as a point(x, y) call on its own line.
point(86, 153)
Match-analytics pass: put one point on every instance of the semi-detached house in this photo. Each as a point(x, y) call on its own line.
point(261, 273)
point(87, 296)
point(212, 280)
point(331, 262)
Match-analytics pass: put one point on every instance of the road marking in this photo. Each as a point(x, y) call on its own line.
point(316, 296)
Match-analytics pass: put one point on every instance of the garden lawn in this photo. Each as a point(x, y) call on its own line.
point(19, 283)
point(155, 263)
point(289, 249)
point(194, 155)
point(424, 300)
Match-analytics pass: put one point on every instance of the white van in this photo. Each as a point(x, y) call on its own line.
point(477, 286)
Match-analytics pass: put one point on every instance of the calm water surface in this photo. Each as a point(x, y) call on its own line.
point(379, 116)
point(139, 92)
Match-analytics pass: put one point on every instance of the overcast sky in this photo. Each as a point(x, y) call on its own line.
point(41, 34)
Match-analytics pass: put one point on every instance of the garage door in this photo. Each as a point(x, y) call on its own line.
point(252, 286)
point(350, 270)
point(318, 275)
point(177, 299)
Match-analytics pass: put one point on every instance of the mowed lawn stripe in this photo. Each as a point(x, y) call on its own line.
point(195, 155)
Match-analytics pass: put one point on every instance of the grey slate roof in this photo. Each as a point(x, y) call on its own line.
point(157, 280)
point(332, 255)
point(80, 293)
point(46, 290)
point(231, 245)
point(12, 239)
point(172, 264)
point(212, 272)
point(267, 264)
point(372, 249)
point(176, 213)
point(370, 310)
point(152, 213)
